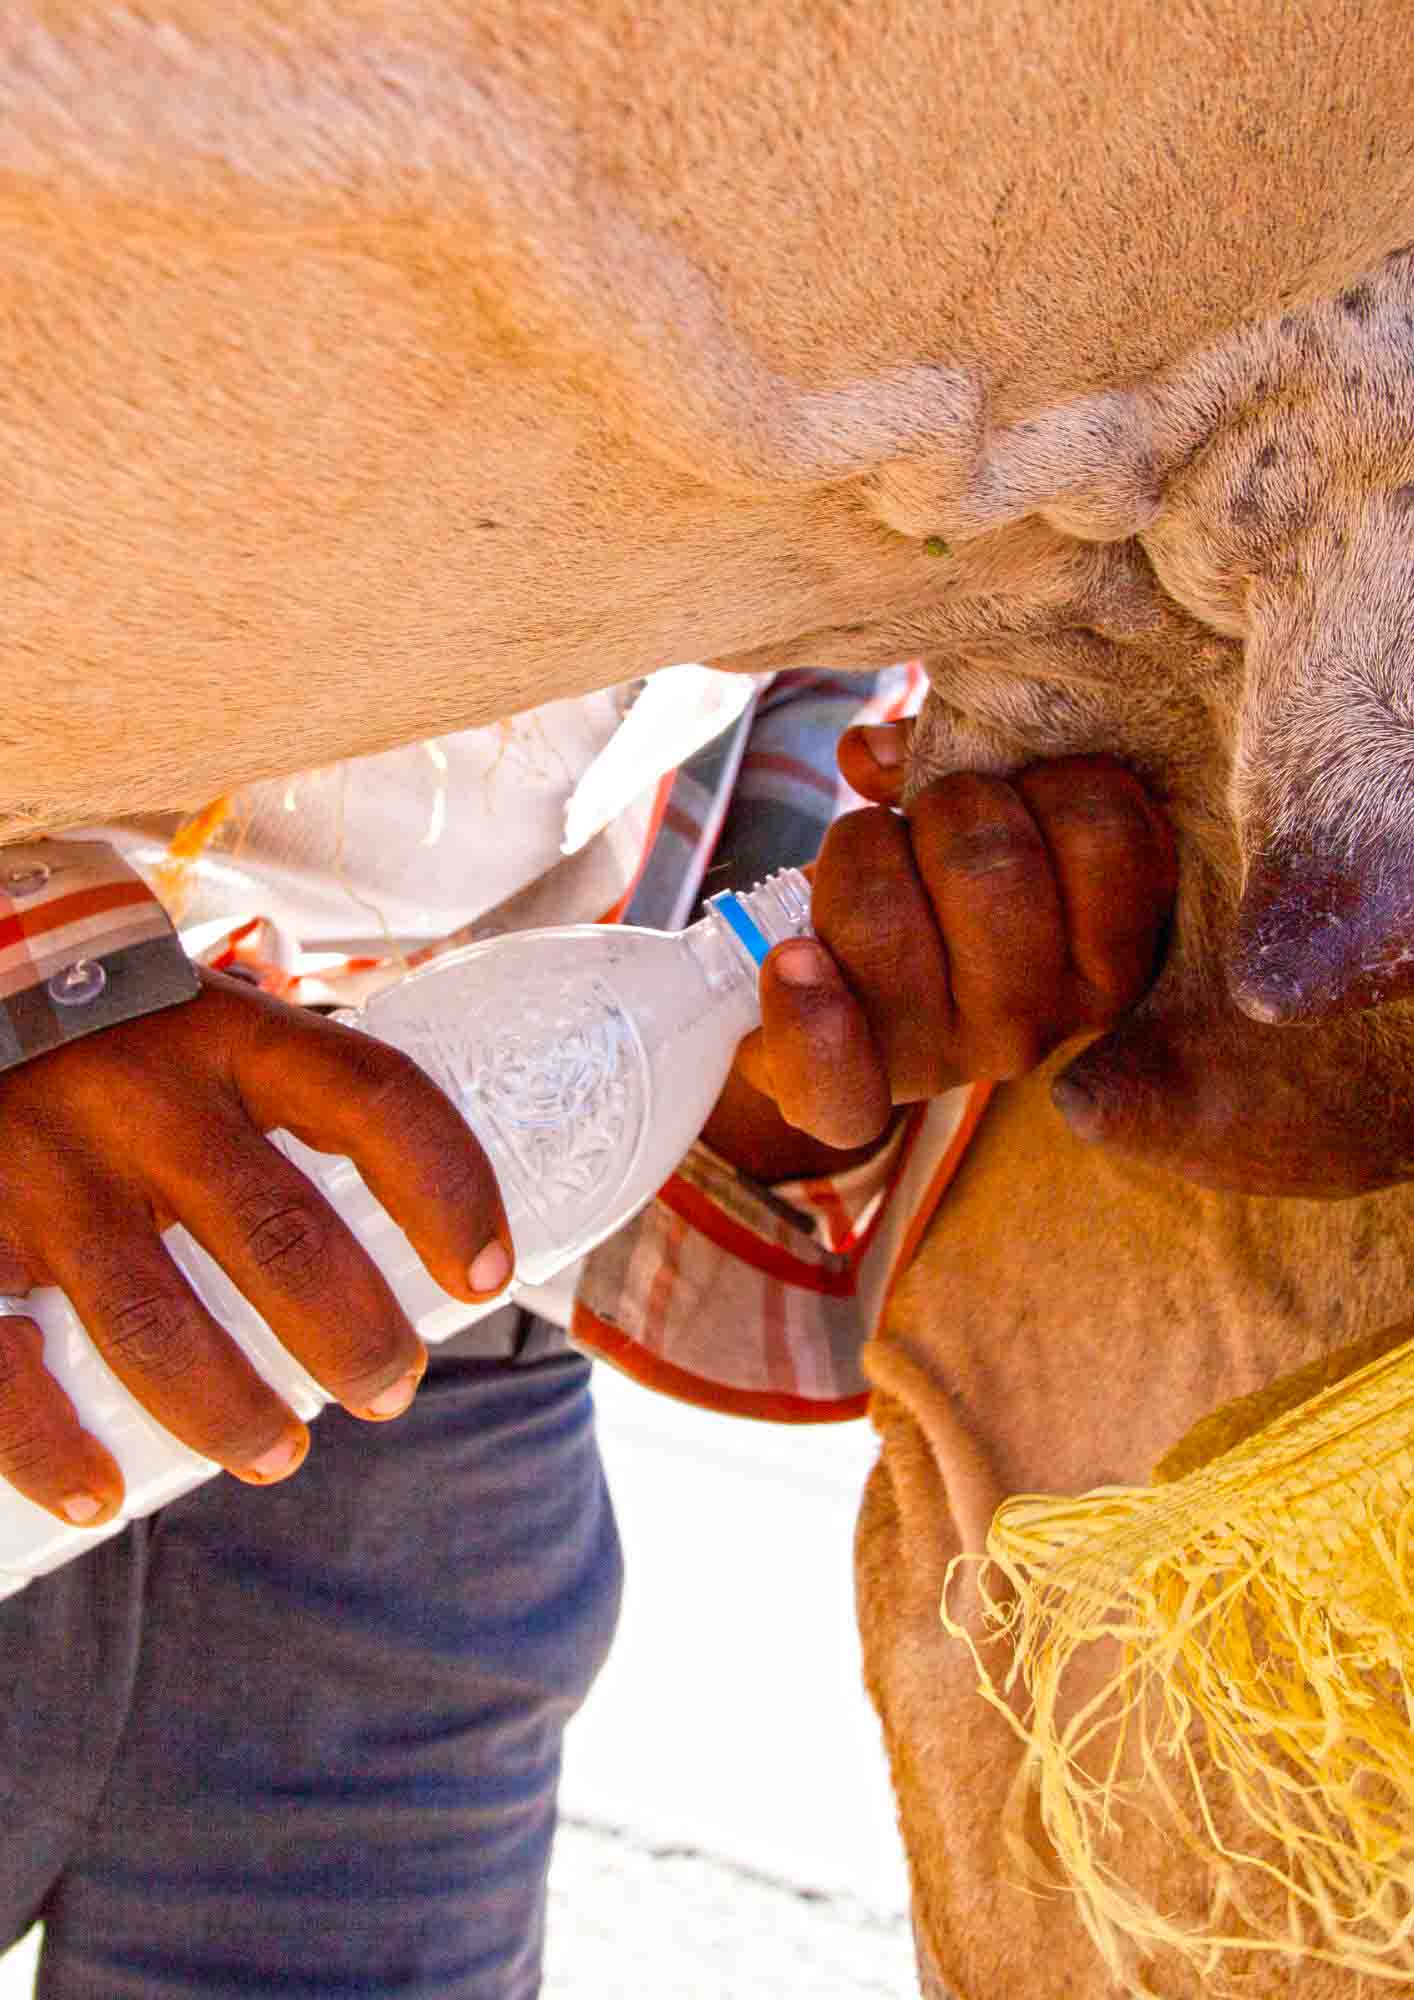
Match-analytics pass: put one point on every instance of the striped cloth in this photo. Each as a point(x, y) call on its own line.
point(83, 944)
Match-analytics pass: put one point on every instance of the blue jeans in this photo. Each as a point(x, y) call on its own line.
point(306, 1739)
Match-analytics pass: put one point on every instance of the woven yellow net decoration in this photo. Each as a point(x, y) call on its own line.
point(1256, 1608)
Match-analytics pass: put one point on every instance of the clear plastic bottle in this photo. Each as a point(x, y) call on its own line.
point(585, 1058)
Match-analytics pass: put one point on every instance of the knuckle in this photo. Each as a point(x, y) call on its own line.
point(151, 1331)
point(1100, 816)
point(1088, 804)
point(974, 826)
point(461, 1184)
point(30, 1451)
point(13, 1372)
point(16, 1271)
point(994, 847)
point(860, 846)
point(289, 1242)
point(439, 1153)
point(960, 796)
point(869, 915)
point(40, 1136)
point(28, 1456)
point(404, 1098)
point(871, 937)
point(27, 1453)
point(396, 1087)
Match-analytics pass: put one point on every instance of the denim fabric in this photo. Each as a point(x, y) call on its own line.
point(306, 1739)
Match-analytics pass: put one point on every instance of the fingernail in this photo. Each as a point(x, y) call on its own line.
point(800, 963)
point(884, 745)
point(81, 1508)
point(280, 1459)
point(490, 1268)
point(392, 1401)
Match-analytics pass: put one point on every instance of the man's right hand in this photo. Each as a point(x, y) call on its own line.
point(111, 1139)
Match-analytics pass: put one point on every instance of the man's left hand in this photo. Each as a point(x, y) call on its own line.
point(964, 939)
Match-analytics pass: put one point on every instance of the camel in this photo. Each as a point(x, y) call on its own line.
point(1224, 1200)
point(437, 360)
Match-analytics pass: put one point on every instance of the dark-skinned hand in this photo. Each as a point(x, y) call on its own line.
point(964, 939)
point(162, 1120)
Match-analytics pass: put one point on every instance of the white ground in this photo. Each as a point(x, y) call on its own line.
point(728, 1830)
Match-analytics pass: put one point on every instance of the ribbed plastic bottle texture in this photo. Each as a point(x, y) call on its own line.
point(585, 1059)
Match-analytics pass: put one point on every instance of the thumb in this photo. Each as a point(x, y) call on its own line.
point(874, 759)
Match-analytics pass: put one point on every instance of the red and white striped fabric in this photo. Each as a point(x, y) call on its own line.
point(756, 1301)
point(84, 944)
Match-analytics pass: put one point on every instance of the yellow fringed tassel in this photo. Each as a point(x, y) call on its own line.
point(1259, 1603)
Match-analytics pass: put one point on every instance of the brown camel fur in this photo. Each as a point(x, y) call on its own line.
point(375, 369)
point(1072, 1349)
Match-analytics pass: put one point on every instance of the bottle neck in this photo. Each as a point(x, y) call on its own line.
point(731, 942)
